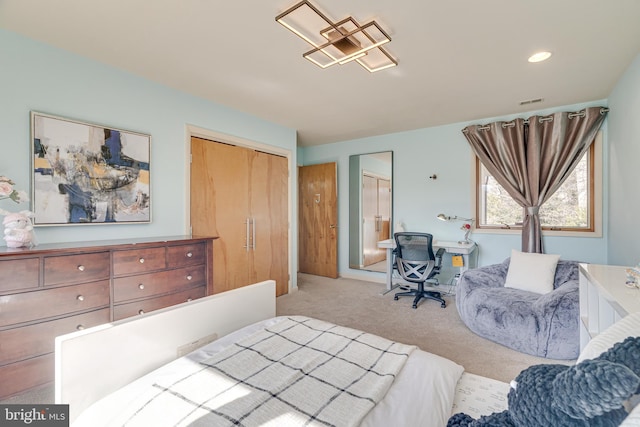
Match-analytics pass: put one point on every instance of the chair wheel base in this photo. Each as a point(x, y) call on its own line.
point(419, 294)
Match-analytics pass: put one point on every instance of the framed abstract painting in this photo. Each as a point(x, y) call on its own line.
point(88, 174)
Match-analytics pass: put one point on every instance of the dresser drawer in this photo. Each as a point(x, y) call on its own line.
point(147, 305)
point(146, 285)
point(183, 255)
point(28, 306)
point(79, 268)
point(38, 339)
point(19, 274)
point(20, 376)
point(138, 261)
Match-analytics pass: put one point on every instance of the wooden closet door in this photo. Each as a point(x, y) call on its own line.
point(268, 196)
point(220, 207)
point(376, 214)
point(369, 220)
point(384, 211)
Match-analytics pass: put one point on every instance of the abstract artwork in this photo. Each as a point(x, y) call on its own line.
point(88, 174)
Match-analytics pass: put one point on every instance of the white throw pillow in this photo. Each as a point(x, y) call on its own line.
point(531, 272)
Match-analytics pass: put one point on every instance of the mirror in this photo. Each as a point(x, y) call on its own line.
point(370, 209)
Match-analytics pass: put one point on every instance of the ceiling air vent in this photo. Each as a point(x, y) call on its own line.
point(531, 101)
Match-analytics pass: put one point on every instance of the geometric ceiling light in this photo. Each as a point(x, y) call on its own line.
point(340, 42)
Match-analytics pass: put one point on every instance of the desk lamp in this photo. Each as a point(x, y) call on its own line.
point(466, 227)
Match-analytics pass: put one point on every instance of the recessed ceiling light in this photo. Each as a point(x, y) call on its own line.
point(539, 56)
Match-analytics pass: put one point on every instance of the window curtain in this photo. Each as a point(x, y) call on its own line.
point(532, 158)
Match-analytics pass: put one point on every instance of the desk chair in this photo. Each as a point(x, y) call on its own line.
point(416, 263)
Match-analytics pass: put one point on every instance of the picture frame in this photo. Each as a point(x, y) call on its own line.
point(85, 173)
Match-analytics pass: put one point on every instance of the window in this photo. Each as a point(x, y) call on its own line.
point(575, 207)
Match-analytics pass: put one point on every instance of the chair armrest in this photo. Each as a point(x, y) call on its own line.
point(439, 255)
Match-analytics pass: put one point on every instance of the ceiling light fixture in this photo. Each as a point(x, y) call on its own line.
point(340, 42)
point(539, 57)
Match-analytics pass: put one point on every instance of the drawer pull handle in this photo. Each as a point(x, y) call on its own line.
point(189, 254)
point(141, 260)
point(80, 327)
point(189, 277)
point(141, 311)
point(80, 297)
point(141, 286)
point(81, 267)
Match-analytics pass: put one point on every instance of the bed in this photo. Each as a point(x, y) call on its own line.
point(227, 359)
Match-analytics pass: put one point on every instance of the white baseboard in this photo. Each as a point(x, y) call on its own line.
point(368, 276)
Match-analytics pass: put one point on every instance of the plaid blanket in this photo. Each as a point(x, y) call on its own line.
point(298, 372)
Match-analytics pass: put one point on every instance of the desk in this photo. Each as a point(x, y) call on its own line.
point(458, 248)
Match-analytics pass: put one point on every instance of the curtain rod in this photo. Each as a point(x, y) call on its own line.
point(581, 113)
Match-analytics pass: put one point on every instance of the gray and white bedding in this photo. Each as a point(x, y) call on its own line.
point(289, 371)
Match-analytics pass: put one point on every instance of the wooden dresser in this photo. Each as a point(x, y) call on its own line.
point(55, 289)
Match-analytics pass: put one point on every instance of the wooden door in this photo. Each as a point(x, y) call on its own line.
point(376, 217)
point(370, 222)
point(220, 207)
point(318, 220)
point(268, 203)
point(384, 211)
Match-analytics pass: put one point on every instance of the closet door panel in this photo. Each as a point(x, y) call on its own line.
point(376, 209)
point(369, 220)
point(384, 210)
point(268, 205)
point(220, 207)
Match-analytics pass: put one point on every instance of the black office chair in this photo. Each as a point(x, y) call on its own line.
point(416, 263)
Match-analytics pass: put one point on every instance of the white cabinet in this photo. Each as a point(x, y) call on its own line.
point(604, 298)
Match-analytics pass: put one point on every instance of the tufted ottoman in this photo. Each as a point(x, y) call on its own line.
point(544, 325)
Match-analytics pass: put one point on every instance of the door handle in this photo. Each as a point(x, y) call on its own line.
point(246, 236)
point(253, 233)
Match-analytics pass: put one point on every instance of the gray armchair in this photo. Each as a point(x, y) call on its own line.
point(544, 325)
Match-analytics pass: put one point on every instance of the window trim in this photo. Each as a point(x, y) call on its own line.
point(595, 202)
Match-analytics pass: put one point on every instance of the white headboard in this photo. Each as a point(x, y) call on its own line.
point(92, 363)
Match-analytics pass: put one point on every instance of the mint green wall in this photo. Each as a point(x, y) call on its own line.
point(38, 77)
point(624, 169)
point(443, 151)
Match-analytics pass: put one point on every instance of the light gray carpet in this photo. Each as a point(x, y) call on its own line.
point(360, 305)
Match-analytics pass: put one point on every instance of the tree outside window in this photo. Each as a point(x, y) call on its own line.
point(569, 209)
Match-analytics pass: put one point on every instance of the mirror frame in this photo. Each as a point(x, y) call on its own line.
point(356, 171)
